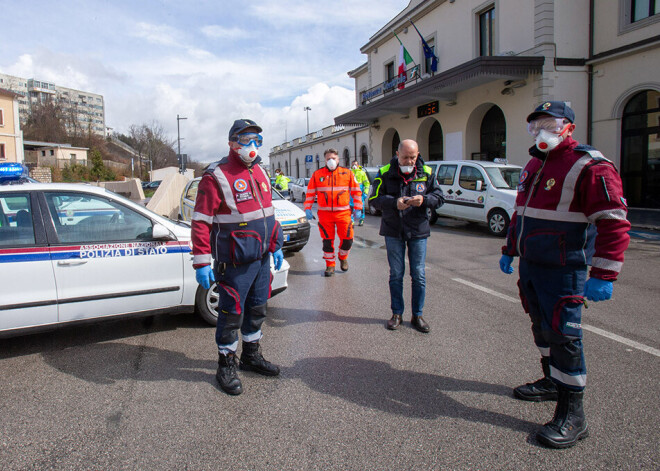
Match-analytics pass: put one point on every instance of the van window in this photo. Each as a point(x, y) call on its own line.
point(446, 174)
point(504, 178)
point(191, 194)
point(469, 177)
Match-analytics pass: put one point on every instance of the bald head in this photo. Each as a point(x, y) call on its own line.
point(407, 153)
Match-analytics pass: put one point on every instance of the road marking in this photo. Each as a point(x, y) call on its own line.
point(486, 290)
point(623, 340)
point(595, 330)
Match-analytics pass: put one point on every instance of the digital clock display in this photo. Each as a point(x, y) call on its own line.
point(428, 109)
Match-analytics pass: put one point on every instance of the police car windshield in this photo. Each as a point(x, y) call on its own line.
point(276, 195)
point(504, 177)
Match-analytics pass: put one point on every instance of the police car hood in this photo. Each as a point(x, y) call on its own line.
point(287, 213)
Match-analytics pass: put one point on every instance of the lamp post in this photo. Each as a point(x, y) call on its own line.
point(178, 139)
point(307, 109)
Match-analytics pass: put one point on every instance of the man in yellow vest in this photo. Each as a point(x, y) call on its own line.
point(363, 181)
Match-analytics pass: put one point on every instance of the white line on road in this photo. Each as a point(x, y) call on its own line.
point(595, 330)
point(486, 290)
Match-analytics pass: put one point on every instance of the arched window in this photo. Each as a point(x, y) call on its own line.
point(347, 158)
point(640, 150)
point(286, 167)
point(297, 169)
point(364, 156)
point(435, 142)
point(493, 135)
point(396, 140)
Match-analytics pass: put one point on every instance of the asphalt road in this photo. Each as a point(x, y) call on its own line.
point(141, 394)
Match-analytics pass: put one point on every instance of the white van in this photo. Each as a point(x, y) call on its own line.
point(478, 191)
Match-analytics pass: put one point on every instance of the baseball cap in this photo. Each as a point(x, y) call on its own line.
point(558, 109)
point(241, 124)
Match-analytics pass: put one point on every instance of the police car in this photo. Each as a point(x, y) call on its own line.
point(75, 252)
point(295, 226)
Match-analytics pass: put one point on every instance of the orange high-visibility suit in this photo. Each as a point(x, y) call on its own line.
point(332, 191)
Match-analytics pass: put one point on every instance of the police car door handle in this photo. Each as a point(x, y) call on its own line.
point(63, 263)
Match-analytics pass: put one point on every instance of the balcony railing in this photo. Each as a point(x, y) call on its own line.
point(389, 86)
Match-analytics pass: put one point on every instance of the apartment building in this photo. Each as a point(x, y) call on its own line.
point(11, 137)
point(84, 109)
point(495, 61)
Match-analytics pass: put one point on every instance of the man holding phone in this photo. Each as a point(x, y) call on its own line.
point(404, 190)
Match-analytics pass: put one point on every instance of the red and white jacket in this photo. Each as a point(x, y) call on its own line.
point(570, 210)
point(234, 219)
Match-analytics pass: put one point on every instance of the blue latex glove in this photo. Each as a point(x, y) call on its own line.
point(205, 276)
point(596, 289)
point(505, 264)
point(278, 258)
point(309, 214)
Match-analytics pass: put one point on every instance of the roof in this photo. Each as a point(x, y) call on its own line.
point(445, 85)
point(9, 93)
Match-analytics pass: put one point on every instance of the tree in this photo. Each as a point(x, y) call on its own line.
point(45, 123)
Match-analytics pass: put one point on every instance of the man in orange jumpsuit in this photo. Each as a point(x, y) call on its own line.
point(332, 186)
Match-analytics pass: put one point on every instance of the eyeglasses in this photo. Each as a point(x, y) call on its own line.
point(548, 123)
point(248, 138)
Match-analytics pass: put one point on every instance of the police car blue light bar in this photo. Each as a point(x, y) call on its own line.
point(12, 171)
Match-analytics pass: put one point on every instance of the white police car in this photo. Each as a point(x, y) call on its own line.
point(75, 252)
point(295, 226)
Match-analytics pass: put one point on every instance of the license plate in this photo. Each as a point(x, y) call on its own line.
point(287, 237)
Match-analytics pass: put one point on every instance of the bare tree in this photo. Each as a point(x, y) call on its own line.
point(45, 123)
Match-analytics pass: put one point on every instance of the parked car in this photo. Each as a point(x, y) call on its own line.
point(154, 185)
point(293, 220)
point(75, 252)
point(479, 191)
point(298, 189)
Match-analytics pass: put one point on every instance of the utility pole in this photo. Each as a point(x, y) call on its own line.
point(307, 109)
point(178, 138)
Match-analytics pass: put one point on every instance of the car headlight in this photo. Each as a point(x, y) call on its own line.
point(302, 220)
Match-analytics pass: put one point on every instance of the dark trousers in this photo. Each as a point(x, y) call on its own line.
point(553, 298)
point(243, 292)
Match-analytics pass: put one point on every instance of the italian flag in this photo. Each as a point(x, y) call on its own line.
point(404, 60)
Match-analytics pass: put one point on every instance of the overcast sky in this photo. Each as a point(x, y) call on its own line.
point(208, 61)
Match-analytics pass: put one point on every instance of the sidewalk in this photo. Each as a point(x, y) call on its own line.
point(645, 223)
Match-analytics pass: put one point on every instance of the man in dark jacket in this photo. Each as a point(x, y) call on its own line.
point(404, 191)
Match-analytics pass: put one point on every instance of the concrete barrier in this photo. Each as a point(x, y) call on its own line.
point(167, 198)
point(131, 188)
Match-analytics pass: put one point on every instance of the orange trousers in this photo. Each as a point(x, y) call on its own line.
point(328, 222)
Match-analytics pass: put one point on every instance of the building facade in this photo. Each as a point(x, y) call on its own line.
point(11, 137)
point(82, 109)
point(50, 154)
point(303, 155)
point(496, 61)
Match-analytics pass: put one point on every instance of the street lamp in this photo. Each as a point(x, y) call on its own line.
point(307, 109)
point(178, 139)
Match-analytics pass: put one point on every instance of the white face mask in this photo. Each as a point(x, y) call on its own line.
point(546, 140)
point(248, 153)
point(407, 169)
point(331, 164)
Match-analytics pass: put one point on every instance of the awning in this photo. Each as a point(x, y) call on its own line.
point(445, 85)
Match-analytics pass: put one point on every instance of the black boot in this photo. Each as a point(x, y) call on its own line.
point(227, 376)
point(543, 389)
point(252, 360)
point(568, 425)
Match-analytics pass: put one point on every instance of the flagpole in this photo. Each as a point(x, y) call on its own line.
point(397, 37)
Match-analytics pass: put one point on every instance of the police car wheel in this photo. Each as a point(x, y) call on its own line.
point(206, 303)
point(498, 222)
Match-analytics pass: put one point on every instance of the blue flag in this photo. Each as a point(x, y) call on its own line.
point(428, 52)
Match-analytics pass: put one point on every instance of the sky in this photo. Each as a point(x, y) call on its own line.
point(209, 61)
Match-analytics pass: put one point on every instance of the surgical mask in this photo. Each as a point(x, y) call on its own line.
point(248, 153)
point(331, 164)
point(546, 140)
point(355, 167)
point(407, 169)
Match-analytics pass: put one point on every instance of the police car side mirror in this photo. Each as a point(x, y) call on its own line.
point(161, 232)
